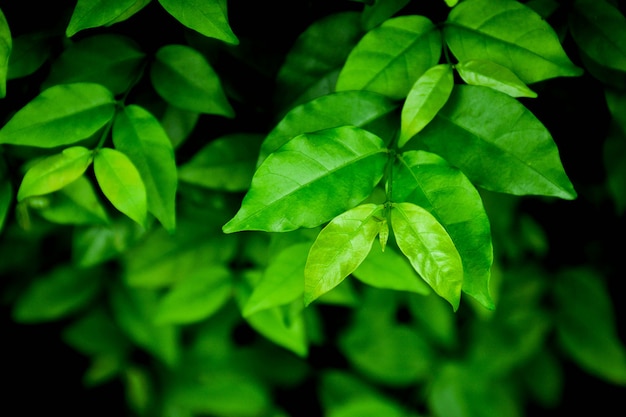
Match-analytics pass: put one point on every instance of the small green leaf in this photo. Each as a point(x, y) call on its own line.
point(367, 407)
point(209, 17)
point(305, 184)
point(492, 75)
point(55, 172)
point(139, 135)
point(510, 34)
point(339, 249)
point(60, 115)
point(427, 96)
point(121, 183)
point(6, 44)
point(389, 58)
point(96, 13)
point(430, 249)
point(30, 51)
point(184, 78)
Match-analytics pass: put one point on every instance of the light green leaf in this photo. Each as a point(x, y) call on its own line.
point(430, 249)
point(427, 96)
point(451, 3)
point(227, 163)
point(599, 29)
point(195, 297)
point(427, 180)
point(30, 51)
point(378, 11)
point(6, 44)
point(356, 108)
point(492, 75)
point(209, 17)
point(510, 34)
point(96, 13)
point(121, 183)
point(139, 135)
point(339, 249)
point(498, 143)
point(55, 172)
point(111, 60)
point(367, 407)
point(389, 270)
point(184, 78)
point(389, 58)
point(311, 179)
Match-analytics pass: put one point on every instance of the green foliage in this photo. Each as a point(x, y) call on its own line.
point(206, 179)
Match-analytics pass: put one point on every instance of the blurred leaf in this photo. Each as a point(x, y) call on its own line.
point(544, 379)
point(401, 49)
point(6, 197)
point(434, 319)
point(60, 115)
point(178, 124)
point(614, 152)
point(367, 407)
point(510, 34)
point(492, 75)
point(290, 188)
point(184, 78)
point(92, 14)
point(207, 17)
point(6, 44)
point(139, 389)
point(30, 51)
point(338, 387)
point(379, 11)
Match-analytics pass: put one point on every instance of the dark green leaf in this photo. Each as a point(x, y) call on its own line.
point(96, 333)
point(6, 197)
point(510, 34)
point(498, 143)
point(389, 58)
point(614, 152)
point(305, 183)
point(490, 74)
point(184, 78)
point(208, 17)
point(139, 135)
point(55, 172)
point(430, 249)
point(429, 181)
point(6, 44)
point(340, 248)
point(96, 244)
point(380, 10)
point(121, 183)
point(30, 52)
point(178, 124)
point(92, 14)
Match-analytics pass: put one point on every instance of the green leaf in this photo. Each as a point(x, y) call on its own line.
point(95, 333)
point(55, 172)
point(339, 249)
point(492, 75)
point(427, 96)
point(56, 294)
point(430, 249)
point(6, 197)
point(96, 13)
point(428, 181)
point(311, 179)
point(121, 183)
point(108, 59)
point(379, 11)
point(599, 29)
point(60, 115)
point(6, 44)
point(357, 108)
point(498, 143)
point(367, 407)
point(96, 244)
point(227, 163)
point(140, 136)
point(184, 78)
point(389, 58)
point(195, 297)
point(30, 51)
point(510, 34)
point(209, 17)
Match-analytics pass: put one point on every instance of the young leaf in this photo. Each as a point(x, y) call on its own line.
point(6, 44)
point(339, 249)
point(430, 249)
point(389, 58)
point(121, 183)
point(498, 143)
point(139, 135)
point(30, 51)
point(490, 74)
point(92, 14)
point(427, 96)
point(55, 172)
point(311, 179)
point(510, 34)
point(60, 115)
point(208, 17)
point(427, 180)
point(184, 78)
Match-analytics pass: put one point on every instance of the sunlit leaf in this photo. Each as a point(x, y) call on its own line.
point(490, 74)
point(92, 14)
point(389, 58)
point(6, 44)
point(430, 249)
point(30, 51)
point(339, 249)
point(60, 115)
point(55, 172)
point(498, 143)
point(510, 34)
point(304, 184)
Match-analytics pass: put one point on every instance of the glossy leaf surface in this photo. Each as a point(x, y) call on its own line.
point(210, 18)
point(490, 74)
point(92, 14)
point(60, 115)
point(6, 45)
point(498, 143)
point(304, 184)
